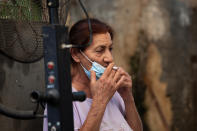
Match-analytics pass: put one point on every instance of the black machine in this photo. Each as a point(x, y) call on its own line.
point(57, 68)
point(58, 96)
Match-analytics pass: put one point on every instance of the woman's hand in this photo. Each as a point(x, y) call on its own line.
point(124, 83)
point(104, 88)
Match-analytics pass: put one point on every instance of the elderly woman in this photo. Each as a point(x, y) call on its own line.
point(109, 105)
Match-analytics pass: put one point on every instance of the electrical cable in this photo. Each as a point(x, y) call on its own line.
point(89, 27)
point(24, 115)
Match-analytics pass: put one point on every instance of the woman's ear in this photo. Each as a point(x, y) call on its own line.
point(75, 54)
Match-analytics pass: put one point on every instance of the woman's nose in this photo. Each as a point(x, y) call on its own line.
point(108, 58)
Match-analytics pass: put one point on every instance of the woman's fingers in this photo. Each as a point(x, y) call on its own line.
point(119, 73)
point(92, 77)
point(120, 82)
point(108, 70)
point(112, 74)
point(124, 81)
point(117, 76)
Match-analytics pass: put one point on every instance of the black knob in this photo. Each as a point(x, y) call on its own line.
point(79, 96)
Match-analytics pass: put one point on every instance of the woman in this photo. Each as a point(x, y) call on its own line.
point(109, 105)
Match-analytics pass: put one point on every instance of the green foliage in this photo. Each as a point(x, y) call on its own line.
point(24, 10)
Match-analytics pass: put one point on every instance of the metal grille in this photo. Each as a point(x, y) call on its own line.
point(20, 29)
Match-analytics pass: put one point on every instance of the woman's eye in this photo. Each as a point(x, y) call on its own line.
point(111, 49)
point(100, 50)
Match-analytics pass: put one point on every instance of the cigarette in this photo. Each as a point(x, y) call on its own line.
point(115, 68)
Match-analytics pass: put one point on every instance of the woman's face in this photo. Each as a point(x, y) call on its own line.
point(100, 51)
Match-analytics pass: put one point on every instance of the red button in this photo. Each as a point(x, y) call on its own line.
point(51, 79)
point(50, 65)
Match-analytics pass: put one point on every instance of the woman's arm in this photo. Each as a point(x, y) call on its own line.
point(102, 91)
point(132, 116)
point(94, 117)
point(124, 88)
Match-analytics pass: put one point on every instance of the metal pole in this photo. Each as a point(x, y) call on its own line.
point(53, 11)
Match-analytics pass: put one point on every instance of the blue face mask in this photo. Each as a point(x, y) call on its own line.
point(96, 67)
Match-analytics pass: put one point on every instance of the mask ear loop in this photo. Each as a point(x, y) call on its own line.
point(86, 58)
point(82, 66)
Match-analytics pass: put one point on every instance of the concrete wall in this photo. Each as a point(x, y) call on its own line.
point(161, 34)
point(16, 83)
point(169, 29)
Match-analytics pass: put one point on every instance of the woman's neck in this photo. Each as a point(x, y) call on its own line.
point(80, 81)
